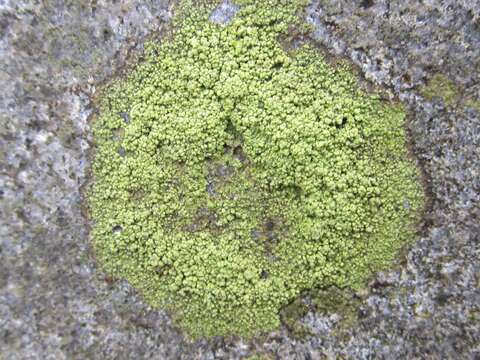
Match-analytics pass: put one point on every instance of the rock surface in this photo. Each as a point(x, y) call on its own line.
point(55, 304)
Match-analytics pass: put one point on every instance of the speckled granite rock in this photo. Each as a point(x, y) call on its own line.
point(54, 304)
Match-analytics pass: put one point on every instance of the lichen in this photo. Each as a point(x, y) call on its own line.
point(474, 104)
point(335, 300)
point(452, 94)
point(258, 357)
point(230, 175)
point(441, 86)
point(290, 316)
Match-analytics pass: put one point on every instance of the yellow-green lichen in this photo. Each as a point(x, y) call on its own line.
point(230, 176)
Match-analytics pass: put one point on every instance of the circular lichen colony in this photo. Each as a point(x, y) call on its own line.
point(231, 175)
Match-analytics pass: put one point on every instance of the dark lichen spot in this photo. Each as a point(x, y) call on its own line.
point(240, 154)
point(107, 34)
point(117, 229)
point(367, 3)
point(264, 275)
point(125, 116)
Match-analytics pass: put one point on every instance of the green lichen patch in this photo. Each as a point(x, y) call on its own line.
point(452, 94)
point(474, 104)
point(339, 301)
point(230, 175)
point(441, 86)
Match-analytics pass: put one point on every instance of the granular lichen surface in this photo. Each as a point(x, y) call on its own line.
point(230, 174)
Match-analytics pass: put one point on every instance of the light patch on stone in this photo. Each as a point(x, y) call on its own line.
point(224, 13)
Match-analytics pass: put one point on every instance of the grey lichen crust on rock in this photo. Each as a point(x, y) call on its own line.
point(54, 303)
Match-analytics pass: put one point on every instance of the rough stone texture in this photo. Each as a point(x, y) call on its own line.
point(224, 12)
point(55, 304)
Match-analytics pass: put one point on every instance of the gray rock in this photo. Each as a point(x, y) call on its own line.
point(224, 13)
